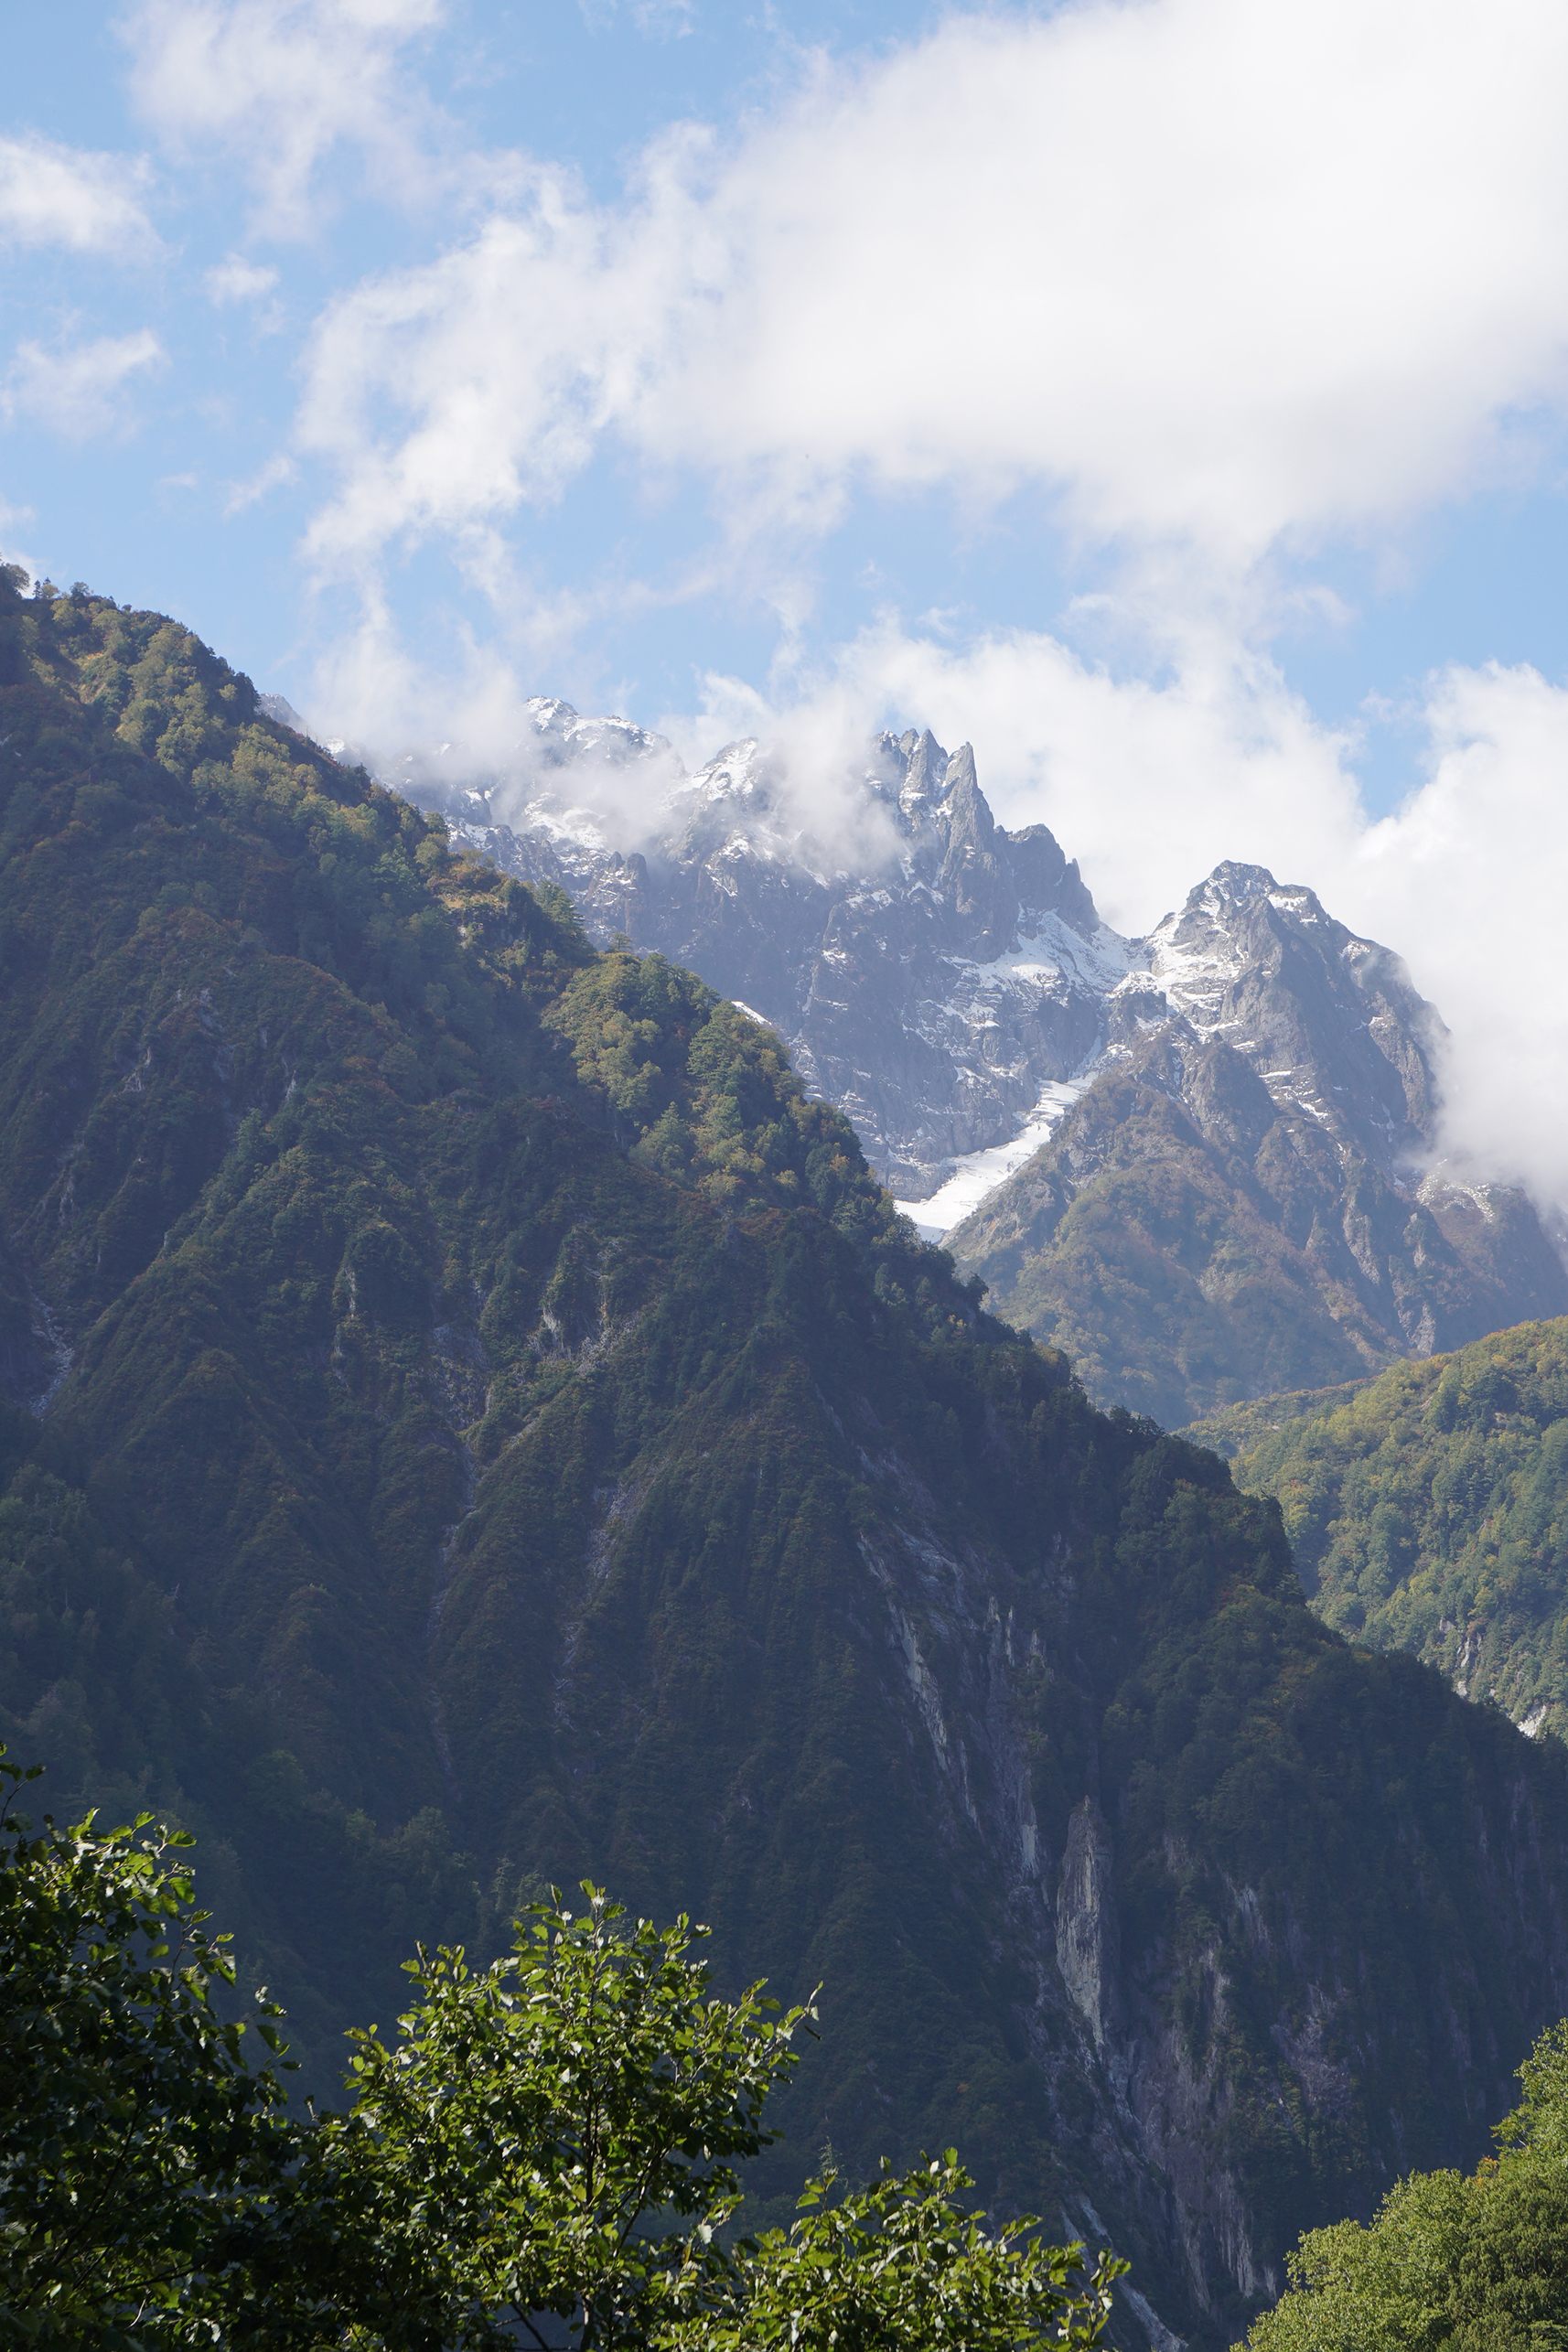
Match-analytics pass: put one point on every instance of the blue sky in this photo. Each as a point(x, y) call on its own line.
point(143, 504)
point(1168, 394)
point(140, 504)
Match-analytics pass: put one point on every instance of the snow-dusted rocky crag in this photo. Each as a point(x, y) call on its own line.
point(1243, 1199)
point(932, 973)
point(1202, 1161)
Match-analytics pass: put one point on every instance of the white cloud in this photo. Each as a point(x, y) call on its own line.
point(1149, 783)
point(77, 390)
point(508, 358)
point(277, 86)
point(1216, 273)
point(1471, 877)
point(468, 718)
point(55, 195)
point(660, 20)
point(236, 279)
point(665, 21)
point(275, 474)
point(369, 690)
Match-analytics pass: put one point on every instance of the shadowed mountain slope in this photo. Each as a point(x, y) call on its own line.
point(472, 1420)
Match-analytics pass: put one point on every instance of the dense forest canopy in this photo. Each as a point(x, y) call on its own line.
point(1428, 1509)
point(1452, 2261)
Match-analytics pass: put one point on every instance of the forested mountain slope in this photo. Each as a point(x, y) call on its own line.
point(1429, 1510)
point(472, 1421)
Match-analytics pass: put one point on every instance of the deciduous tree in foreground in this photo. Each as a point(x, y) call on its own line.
point(546, 2151)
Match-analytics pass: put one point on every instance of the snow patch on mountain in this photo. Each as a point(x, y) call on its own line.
point(975, 1176)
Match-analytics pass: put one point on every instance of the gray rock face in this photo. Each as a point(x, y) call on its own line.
point(1178, 2006)
point(1200, 1162)
point(930, 978)
point(1087, 1948)
point(1242, 1200)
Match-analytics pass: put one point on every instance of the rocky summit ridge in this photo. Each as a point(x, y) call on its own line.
point(1246, 1198)
point(1206, 1162)
point(930, 970)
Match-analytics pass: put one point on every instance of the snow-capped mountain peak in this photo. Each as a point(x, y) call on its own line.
point(566, 736)
point(930, 969)
point(1331, 1023)
point(949, 981)
point(1222, 1133)
point(737, 773)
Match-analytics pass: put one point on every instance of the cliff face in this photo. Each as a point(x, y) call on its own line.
point(474, 1421)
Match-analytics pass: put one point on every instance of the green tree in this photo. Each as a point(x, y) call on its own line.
point(904, 2266)
point(563, 2131)
point(1451, 2261)
point(546, 2151)
point(143, 2158)
point(560, 2130)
